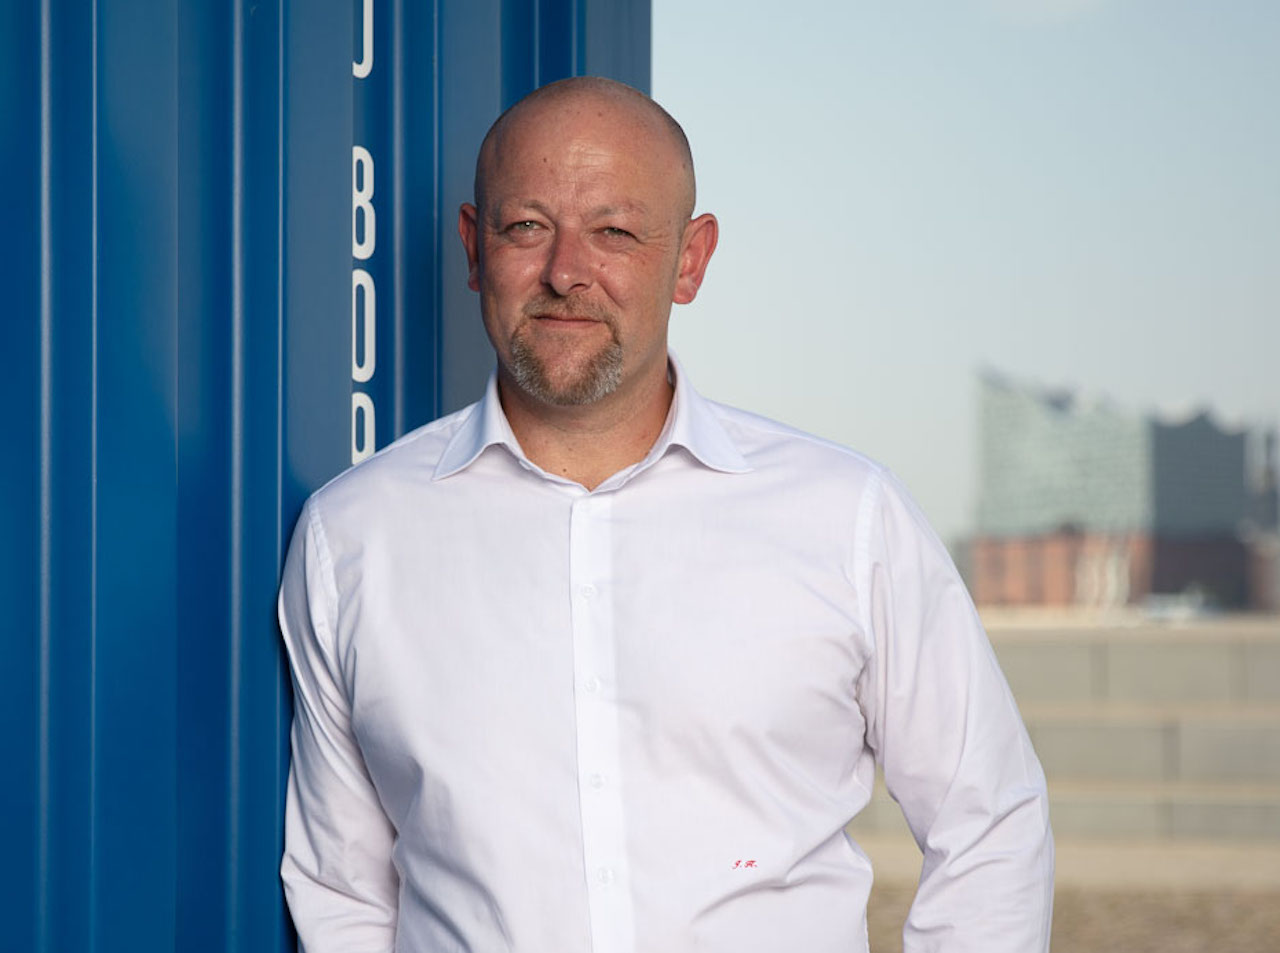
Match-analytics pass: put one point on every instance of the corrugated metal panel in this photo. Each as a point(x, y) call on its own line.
point(178, 260)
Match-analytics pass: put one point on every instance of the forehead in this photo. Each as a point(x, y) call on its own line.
point(583, 145)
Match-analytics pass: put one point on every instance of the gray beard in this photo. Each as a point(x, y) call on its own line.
point(598, 379)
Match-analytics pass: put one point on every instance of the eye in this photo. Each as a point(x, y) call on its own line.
point(524, 226)
point(612, 231)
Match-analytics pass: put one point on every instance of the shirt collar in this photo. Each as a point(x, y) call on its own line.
point(691, 423)
point(694, 425)
point(484, 427)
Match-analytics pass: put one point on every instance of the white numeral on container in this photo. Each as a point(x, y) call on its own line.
point(362, 293)
point(362, 426)
point(363, 239)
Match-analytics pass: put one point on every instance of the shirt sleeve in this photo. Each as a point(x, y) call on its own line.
point(338, 876)
point(954, 751)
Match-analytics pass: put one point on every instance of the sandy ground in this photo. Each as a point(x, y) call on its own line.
point(1125, 921)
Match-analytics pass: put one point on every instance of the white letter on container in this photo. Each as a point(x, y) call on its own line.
point(365, 66)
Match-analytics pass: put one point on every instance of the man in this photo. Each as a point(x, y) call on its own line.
point(598, 665)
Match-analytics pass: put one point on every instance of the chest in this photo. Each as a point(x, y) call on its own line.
point(698, 627)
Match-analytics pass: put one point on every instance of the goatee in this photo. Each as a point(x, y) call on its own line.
point(596, 377)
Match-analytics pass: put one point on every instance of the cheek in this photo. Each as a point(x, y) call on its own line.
point(653, 292)
point(508, 268)
point(640, 285)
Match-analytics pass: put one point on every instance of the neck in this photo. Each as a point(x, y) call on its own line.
point(588, 443)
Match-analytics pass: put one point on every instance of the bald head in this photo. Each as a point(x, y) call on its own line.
point(614, 102)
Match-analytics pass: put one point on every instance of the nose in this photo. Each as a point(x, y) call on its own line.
point(568, 267)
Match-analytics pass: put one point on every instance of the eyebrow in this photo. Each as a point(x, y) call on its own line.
point(500, 211)
point(604, 210)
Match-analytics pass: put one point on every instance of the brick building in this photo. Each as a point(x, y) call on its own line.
point(1083, 503)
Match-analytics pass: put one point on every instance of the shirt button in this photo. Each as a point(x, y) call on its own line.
point(592, 684)
point(596, 781)
point(604, 875)
point(588, 591)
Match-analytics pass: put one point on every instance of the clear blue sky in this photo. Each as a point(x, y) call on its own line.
point(1075, 192)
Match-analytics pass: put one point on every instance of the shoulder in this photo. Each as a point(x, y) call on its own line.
point(844, 482)
point(769, 444)
point(404, 467)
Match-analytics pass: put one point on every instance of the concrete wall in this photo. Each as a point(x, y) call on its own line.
point(1163, 734)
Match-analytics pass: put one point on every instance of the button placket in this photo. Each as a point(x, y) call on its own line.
point(599, 792)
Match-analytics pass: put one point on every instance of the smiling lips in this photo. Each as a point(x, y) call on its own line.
point(566, 319)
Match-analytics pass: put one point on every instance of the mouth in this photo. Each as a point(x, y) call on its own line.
point(568, 319)
point(564, 320)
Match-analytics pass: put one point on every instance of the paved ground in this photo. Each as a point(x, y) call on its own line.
point(1123, 898)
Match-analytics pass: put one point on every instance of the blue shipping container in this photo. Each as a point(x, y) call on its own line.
point(231, 268)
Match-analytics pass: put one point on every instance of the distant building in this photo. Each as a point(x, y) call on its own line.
point(1083, 503)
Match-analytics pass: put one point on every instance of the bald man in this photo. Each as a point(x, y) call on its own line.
point(597, 664)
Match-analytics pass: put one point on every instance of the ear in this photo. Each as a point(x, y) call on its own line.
point(699, 241)
point(469, 232)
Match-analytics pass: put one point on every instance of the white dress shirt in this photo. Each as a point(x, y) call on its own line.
point(637, 719)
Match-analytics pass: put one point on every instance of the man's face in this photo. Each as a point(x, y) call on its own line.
point(577, 248)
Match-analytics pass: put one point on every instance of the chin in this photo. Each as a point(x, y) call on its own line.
point(589, 382)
